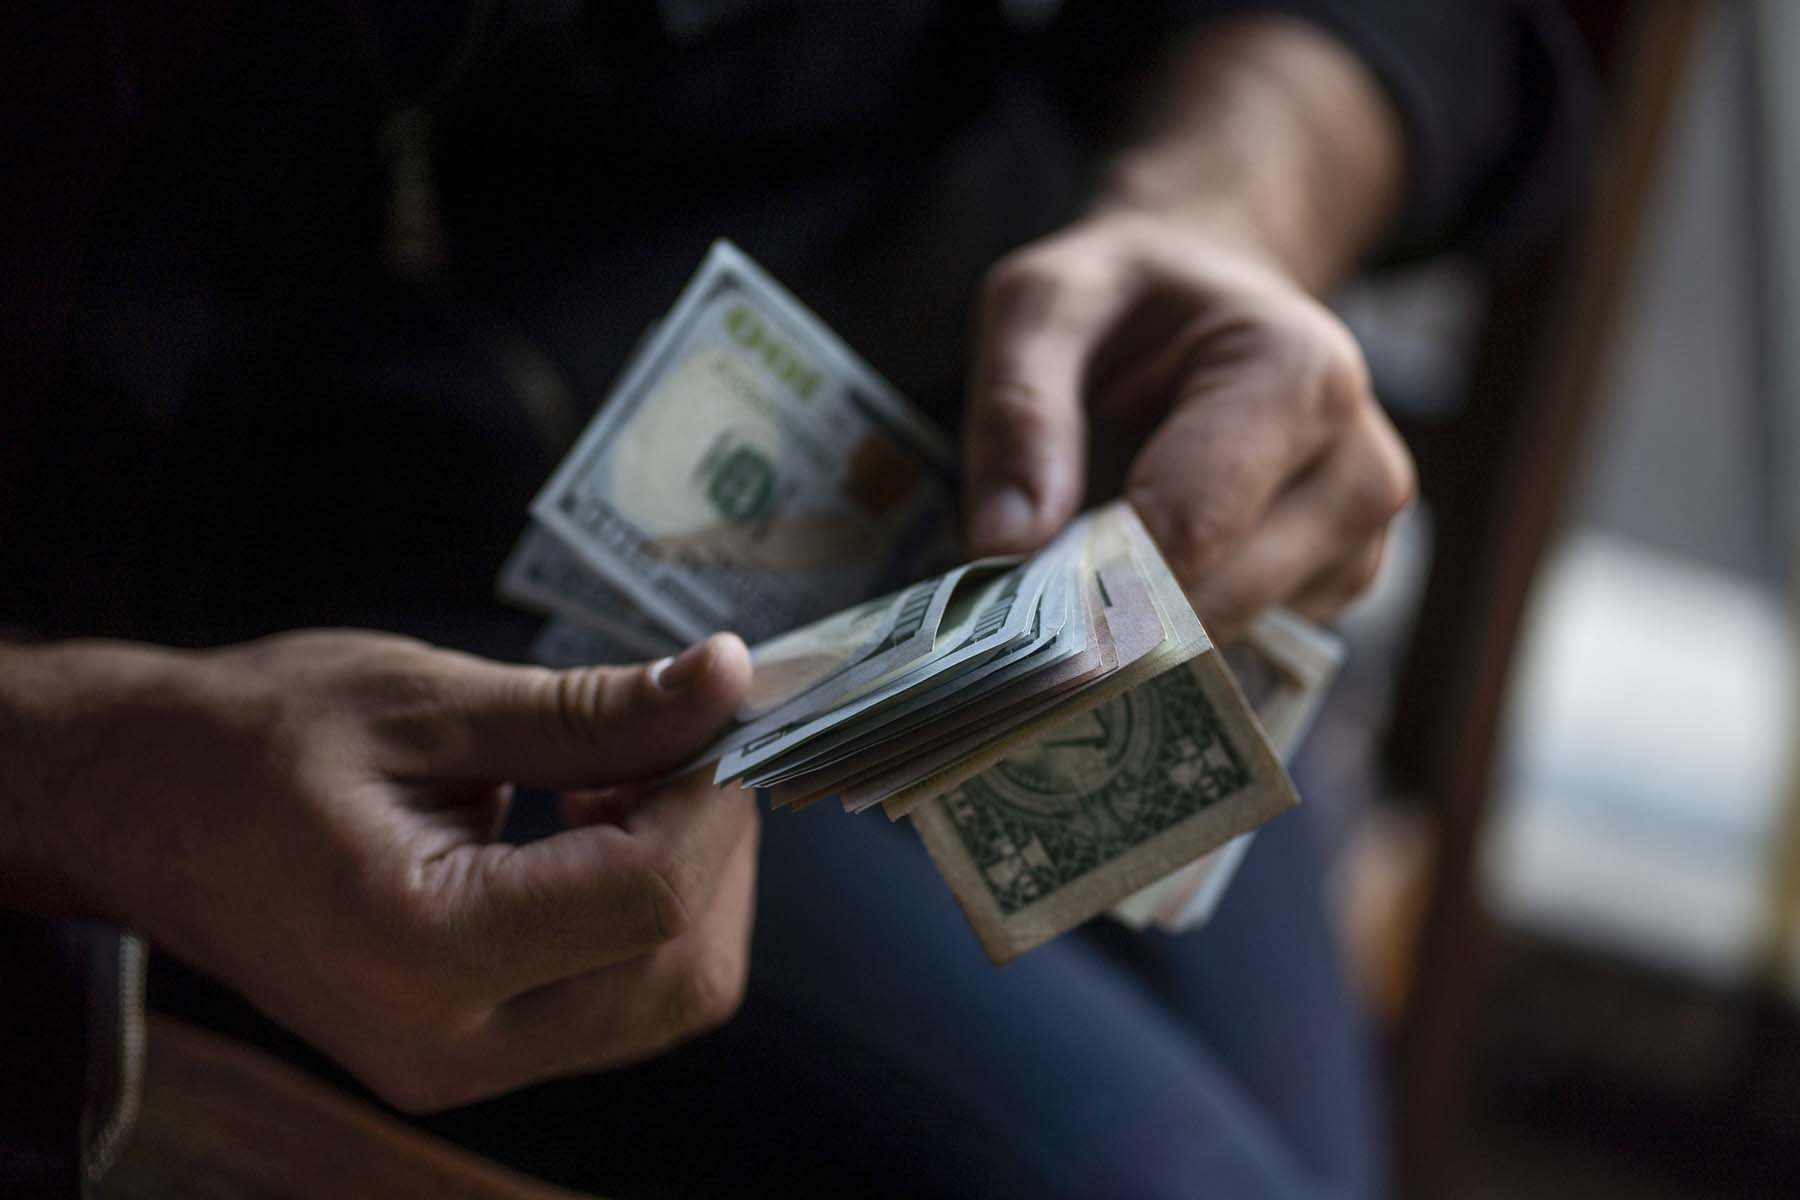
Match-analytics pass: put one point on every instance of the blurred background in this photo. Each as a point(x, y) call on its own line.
point(1573, 890)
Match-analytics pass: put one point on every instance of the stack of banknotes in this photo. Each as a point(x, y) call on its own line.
point(1059, 728)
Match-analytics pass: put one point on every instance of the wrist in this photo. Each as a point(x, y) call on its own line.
point(59, 723)
point(1270, 133)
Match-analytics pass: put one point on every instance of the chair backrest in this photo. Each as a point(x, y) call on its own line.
point(1499, 475)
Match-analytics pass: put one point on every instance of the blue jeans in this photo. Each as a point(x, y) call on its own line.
point(878, 1053)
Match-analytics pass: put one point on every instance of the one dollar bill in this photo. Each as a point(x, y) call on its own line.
point(1284, 668)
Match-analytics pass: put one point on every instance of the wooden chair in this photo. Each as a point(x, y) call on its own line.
point(1498, 476)
point(219, 1118)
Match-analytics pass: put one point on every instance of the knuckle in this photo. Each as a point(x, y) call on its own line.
point(1017, 412)
point(403, 697)
point(550, 919)
point(708, 992)
point(1022, 276)
point(1277, 347)
point(569, 698)
point(1344, 389)
point(650, 912)
point(1251, 341)
point(399, 675)
point(1196, 535)
point(547, 920)
point(316, 648)
point(674, 889)
point(1304, 354)
point(1385, 488)
point(1049, 285)
point(575, 704)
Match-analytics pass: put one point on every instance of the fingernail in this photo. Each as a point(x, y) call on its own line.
point(1002, 521)
point(684, 669)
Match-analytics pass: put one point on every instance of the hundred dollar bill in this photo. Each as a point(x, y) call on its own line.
point(749, 471)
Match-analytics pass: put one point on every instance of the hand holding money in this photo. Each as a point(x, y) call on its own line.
point(313, 818)
point(1059, 727)
point(1249, 440)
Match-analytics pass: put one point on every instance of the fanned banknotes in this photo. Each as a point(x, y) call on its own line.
point(748, 471)
point(1059, 728)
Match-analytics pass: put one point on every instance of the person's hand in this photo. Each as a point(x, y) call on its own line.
point(1169, 345)
point(312, 818)
point(1235, 407)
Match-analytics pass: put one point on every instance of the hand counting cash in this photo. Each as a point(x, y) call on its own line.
point(1059, 728)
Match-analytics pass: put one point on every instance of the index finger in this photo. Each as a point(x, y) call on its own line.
point(596, 895)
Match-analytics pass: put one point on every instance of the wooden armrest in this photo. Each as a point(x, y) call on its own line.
point(222, 1119)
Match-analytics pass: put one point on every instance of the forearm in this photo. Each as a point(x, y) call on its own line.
point(1273, 131)
point(53, 704)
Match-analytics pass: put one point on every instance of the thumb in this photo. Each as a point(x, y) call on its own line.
point(590, 725)
point(1025, 434)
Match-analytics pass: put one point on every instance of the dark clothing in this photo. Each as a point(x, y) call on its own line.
point(224, 419)
point(202, 189)
point(64, 1027)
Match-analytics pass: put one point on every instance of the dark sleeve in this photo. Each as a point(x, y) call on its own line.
point(83, 80)
point(1495, 97)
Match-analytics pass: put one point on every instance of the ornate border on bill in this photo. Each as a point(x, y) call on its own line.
point(1030, 850)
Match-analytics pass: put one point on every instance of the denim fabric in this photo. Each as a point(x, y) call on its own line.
point(880, 1054)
